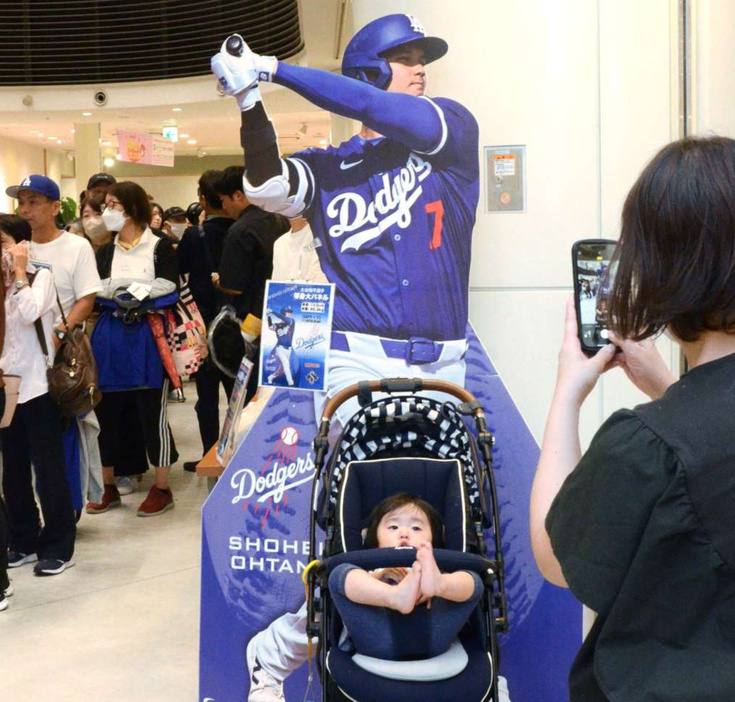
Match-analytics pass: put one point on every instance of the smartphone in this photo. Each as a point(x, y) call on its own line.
point(593, 279)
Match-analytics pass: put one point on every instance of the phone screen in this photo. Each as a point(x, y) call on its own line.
point(593, 279)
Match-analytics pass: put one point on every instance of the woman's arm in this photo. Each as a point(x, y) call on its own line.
point(35, 300)
point(560, 449)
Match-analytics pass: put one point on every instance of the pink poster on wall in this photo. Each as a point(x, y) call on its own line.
point(147, 149)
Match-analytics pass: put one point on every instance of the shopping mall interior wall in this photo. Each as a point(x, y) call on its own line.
point(551, 76)
point(713, 78)
point(18, 160)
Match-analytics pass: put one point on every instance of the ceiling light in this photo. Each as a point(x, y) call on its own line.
point(40, 134)
point(73, 131)
point(177, 109)
point(192, 141)
point(52, 138)
point(118, 157)
point(109, 162)
point(59, 141)
point(33, 131)
point(323, 142)
point(106, 143)
point(184, 136)
point(86, 114)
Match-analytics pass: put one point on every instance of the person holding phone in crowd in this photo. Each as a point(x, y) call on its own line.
point(640, 527)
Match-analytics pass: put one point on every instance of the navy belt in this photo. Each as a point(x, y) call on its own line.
point(415, 350)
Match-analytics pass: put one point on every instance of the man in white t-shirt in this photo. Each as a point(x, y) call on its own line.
point(70, 258)
point(72, 262)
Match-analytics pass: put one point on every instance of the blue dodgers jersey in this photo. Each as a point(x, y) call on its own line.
point(284, 328)
point(395, 228)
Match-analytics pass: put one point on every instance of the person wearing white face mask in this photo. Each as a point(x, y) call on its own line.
point(94, 226)
point(127, 357)
point(132, 460)
point(175, 222)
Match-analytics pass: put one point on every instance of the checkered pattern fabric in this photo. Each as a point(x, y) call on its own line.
point(186, 334)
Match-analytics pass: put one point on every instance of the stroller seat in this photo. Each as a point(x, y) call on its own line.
point(473, 683)
point(417, 445)
point(440, 482)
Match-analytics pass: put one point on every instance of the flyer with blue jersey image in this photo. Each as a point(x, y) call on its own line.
point(297, 326)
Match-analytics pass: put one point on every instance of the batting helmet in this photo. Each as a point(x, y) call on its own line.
point(286, 310)
point(363, 56)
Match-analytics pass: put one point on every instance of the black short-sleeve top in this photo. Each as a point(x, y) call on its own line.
point(644, 530)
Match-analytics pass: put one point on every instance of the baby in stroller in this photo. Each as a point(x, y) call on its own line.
point(369, 602)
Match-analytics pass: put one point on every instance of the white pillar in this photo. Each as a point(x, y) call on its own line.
point(87, 155)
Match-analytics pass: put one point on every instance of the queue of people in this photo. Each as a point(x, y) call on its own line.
point(639, 527)
point(122, 243)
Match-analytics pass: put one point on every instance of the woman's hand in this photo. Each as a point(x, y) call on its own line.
point(644, 366)
point(577, 374)
point(19, 252)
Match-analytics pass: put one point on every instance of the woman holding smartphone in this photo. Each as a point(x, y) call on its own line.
point(641, 527)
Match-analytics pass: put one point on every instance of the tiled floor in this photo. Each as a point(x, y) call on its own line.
point(123, 624)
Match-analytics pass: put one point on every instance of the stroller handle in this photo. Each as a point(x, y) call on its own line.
point(397, 385)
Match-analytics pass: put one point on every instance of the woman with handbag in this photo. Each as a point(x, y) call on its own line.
point(35, 433)
point(135, 261)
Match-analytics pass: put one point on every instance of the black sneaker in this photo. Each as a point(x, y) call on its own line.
point(17, 559)
point(190, 466)
point(52, 566)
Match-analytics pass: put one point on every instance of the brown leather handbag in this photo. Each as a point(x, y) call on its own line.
point(72, 378)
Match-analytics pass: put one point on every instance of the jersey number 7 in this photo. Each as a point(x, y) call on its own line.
point(436, 208)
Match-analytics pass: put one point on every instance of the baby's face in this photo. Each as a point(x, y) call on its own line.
point(405, 526)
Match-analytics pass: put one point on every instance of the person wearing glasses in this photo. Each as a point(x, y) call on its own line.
point(125, 348)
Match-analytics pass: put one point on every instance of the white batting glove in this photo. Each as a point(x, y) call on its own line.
point(239, 70)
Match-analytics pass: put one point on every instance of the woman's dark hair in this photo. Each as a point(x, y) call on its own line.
point(676, 255)
point(134, 201)
point(403, 499)
point(207, 182)
point(155, 205)
point(95, 202)
point(16, 227)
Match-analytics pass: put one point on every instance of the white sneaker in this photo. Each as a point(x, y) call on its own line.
point(126, 485)
point(4, 594)
point(263, 686)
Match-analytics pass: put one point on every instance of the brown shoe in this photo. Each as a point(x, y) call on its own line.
point(157, 502)
point(110, 499)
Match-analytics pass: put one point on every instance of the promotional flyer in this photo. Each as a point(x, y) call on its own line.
point(297, 326)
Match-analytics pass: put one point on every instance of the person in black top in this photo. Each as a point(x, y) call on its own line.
point(199, 254)
point(642, 530)
point(247, 258)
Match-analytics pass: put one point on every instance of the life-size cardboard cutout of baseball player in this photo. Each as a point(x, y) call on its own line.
point(393, 208)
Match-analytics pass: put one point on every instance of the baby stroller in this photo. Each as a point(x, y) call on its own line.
point(407, 443)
